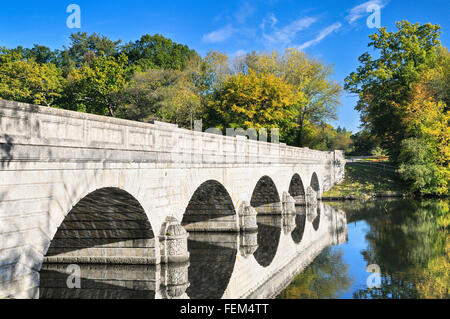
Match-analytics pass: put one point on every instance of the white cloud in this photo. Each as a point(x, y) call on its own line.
point(244, 12)
point(219, 35)
point(359, 11)
point(285, 36)
point(322, 35)
point(271, 20)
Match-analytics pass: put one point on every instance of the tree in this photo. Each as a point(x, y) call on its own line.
point(253, 100)
point(150, 52)
point(168, 95)
point(83, 44)
point(97, 86)
point(309, 78)
point(383, 84)
point(28, 81)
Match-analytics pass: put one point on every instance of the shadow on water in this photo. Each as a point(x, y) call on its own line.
point(212, 260)
point(300, 223)
point(269, 232)
point(99, 282)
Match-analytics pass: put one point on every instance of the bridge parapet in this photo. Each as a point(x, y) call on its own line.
point(36, 126)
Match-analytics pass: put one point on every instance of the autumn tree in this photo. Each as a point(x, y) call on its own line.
point(254, 100)
point(317, 94)
point(383, 83)
point(403, 97)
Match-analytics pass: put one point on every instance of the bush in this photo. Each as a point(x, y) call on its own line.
point(378, 151)
point(419, 170)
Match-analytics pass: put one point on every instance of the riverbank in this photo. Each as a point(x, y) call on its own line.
point(365, 180)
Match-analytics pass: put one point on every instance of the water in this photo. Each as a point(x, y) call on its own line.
point(321, 252)
point(408, 242)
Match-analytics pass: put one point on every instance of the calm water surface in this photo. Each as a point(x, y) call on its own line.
point(320, 253)
point(409, 242)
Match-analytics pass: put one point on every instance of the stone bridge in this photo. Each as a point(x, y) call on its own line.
point(255, 265)
point(81, 188)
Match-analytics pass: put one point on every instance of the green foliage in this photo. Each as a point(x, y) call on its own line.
point(167, 95)
point(84, 46)
point(403, 102)
point(326, 138)
point(292, 92)
point(417, 167)
point(97, 86)
point(378, 151)
point(363, 143)
point(383, 84)
point(28, 81)
point(150, 52)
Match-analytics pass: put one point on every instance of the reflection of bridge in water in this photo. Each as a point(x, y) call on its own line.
point(222, 265)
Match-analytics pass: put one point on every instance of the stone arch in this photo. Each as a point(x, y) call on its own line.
point(107, 226)
point(210, 209)
point(315, 183)
point(297, 190)
point(265, 197)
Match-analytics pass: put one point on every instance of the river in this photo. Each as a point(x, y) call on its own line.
point(321, 252)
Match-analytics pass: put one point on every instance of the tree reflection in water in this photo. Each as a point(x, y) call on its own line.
point(326, 277)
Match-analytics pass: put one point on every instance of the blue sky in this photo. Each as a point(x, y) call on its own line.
point(333, 31)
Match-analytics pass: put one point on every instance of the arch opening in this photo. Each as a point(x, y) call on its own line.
point(315, 183)
point(210, 209)
point(297, 190)
point(108, 226)
point(265, 198)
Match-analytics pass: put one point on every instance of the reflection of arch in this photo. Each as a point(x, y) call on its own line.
point(269, 232)
point(300, 223)
point(212, 261)
point(265, 198)
point(210, 201)
point(315, 183)
point(106, 226)
point(316, 221)
point(297, 190)
point(100, 282)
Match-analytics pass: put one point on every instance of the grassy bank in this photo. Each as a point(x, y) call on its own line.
point(363, 180)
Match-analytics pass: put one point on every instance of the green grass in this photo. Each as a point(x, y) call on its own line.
point(367, 180)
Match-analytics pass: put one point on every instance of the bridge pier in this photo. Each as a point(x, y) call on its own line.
point(173, 242)
point(311, 196)
point(247, 218)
